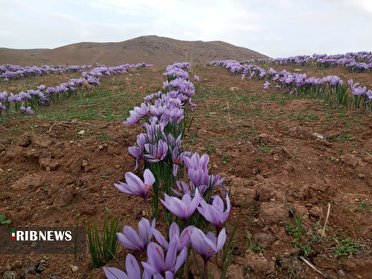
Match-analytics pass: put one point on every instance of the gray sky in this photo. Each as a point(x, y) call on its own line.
point(273, 27)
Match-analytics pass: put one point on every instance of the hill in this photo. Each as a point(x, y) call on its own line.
point(149, 49)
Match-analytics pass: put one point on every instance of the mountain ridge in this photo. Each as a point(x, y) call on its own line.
point(149, 49)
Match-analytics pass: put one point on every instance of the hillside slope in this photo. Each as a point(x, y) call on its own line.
point(149, 49)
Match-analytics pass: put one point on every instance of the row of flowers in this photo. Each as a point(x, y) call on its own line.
point(9, 71)
point(190, 200)
point(27, 101)
point(354, 61)
point(331, 88)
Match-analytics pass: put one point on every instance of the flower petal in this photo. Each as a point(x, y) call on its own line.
point(170, 258)
point(155, 255)
point(115, 273)
point(149, 269)
point(202, 244)
point(218, 203)
point(180, 259)
point(221, 239)
point(144, 230)
point(133, 180)
point(175, 206)
point(160, 239)
point(123, 187)
point(132, 268)
point(130, 239)
point(148, 177)
point(174, 230)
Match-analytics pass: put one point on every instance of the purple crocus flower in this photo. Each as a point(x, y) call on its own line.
point(359, 91)
point(182, 188)
point(130, 239)
point(356, 89)
point(174, 72)
point(157, 110)
point(132, 270)
point(197, 171)
point(216, 180)
point(142, 110)
point(156, 152)
point(174, 232)
point(136, 152)
point(199, 178)
point(27, 110)
point(182, 208)
point(266, 85)
point(3, 96)
point(369, 94)
point(132, 119)
point(196, 161)
point(154, 130)
point(174, 114)
point(192, 105)
point(135, 186)
point(161, 265)
point(177, 158)
point(207, 245)
point(136, 114)
point(215, 213)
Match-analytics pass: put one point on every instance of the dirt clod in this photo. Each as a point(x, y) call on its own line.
point(48, 164)
point(316, 211)
point(259, 264)
point(41, 141)
point(235, 271)
point(272, 213)
point(28, 182)
point(264, 239)
point(25, 140)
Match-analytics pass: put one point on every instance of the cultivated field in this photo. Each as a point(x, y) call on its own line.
point(286, 157)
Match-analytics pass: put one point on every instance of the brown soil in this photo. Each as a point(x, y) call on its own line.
point(280, 158)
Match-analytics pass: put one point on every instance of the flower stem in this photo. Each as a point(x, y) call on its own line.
point(147, 209)
point(205, 275)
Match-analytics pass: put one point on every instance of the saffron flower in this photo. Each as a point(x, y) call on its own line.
point(136, 152)
point(182, 188)
point(136, 114)
point(130, 239)
point(196, 161)
point(356, 89)
point(197, 171)
point(156, 152)
point(135, 186)
point(161, 265)
point(132, 270)
point(182, 208)
point(207, 245)
point(27, 110)
point(215, 213)
point(174, 232)
point(177, 158)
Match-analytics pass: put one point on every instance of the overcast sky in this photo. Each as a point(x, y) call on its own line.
point(273, 27)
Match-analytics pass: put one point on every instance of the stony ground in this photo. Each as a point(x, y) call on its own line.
point(285, 161)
